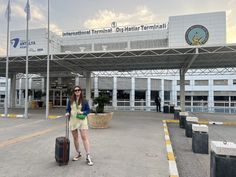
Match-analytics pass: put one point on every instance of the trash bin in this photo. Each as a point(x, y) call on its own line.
point(200, 139)
point(182, 119)
point(166, 108)
point(172, 108)
point(177, 110)
point(223, 159)
point(188, 128)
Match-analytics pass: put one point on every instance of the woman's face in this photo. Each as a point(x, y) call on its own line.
point(77, 91)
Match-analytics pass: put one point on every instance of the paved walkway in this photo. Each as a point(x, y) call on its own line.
point(133, 146)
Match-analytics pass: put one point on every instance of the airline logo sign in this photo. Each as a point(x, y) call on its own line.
point(18, 43)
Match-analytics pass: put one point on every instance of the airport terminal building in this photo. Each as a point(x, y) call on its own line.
point(127, 89)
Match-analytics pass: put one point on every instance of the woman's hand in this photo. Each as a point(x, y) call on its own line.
point(67, 115)
point(80, 112)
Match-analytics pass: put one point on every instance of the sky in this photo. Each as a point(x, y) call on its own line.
point(69, 15)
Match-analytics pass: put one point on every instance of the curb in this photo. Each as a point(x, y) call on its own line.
point(22, 116)
point(54, 117)
point(12, 115)
point(170, 154)
point(206, 122)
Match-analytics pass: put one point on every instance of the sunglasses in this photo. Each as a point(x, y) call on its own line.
point(77, 90)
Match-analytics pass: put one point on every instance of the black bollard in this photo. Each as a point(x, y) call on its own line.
point(182, 120)
point(223, 159)
point(200, 139)
point(177, 110)
point(188, 128)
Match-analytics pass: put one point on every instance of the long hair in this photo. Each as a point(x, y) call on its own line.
point(73, 96)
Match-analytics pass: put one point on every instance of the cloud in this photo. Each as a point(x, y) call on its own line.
point(104, 18)
point(2, 51)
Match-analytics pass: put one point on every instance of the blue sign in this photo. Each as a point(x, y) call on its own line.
point(197, 35)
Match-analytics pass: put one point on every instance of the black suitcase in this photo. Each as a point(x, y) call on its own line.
point(62, 148)
point(166, 109)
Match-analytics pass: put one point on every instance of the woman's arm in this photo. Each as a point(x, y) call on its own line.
point(85, 108)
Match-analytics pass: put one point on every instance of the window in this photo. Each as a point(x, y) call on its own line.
point(201, 82)
point(2, 84)
point(187, 82)
point(221, 82)
point(234, 82)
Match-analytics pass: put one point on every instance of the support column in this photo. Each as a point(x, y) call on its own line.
point(20, 92)
point(161, 94)
point(43, 85)
point(96, 94)
point(148, 94)
point(114, 96)
point(132, 93)
point(182, 89)
point(174, 92)
point(12, 94)
point(88, 87)
point(210, 96)
point(77, 80)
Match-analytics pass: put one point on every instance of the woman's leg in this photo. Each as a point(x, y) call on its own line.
point(85, 139)
point(76, 139)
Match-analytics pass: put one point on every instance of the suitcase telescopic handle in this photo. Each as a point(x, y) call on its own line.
point(67, 119)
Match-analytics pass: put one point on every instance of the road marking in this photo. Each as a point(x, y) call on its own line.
point(170, 154)
point(20, 125)
point(27, 137)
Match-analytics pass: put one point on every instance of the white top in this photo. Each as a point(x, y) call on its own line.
point(200, 128)
point(221, 148)
point(183, 113)
point(191, 119)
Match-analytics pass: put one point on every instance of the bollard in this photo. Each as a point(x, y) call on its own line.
point(188, 128)
point(182, 119)
point(223, 159)
point(200, 139)
point(177, 110)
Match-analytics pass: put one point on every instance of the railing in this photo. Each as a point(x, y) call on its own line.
point(194, 106)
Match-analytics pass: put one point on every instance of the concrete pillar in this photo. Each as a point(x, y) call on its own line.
point(114, 96)
point(77, 80)
point(132, 93)
point(182, 89)
point(210, 96)
point(88, 87)
point(174, 91)
point(96, 94)
point(20, 93)
point(43, 88)
point(12, 94)
point(161, 94)
point(148, 94)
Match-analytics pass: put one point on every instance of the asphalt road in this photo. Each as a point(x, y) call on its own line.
point(191, 164)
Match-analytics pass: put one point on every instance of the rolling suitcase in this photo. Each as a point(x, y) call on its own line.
point(62, 148)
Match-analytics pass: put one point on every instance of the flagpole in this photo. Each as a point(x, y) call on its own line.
point(48, 63)
point(26, 67)
point(7, 60)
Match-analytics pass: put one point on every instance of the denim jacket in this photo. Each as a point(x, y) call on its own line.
point(85, 107)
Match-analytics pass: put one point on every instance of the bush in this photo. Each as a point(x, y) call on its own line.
point(101, 101)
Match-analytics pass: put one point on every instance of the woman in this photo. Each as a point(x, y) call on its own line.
point(78, 109)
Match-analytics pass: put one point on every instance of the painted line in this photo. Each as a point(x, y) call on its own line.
point(12, 115)
point(170, 153)
point(206, 122)
point(55, 117)
point(20, 125)
point(27, 137)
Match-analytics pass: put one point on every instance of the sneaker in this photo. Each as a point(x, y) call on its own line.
point(77, 157)
point(89, 161)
